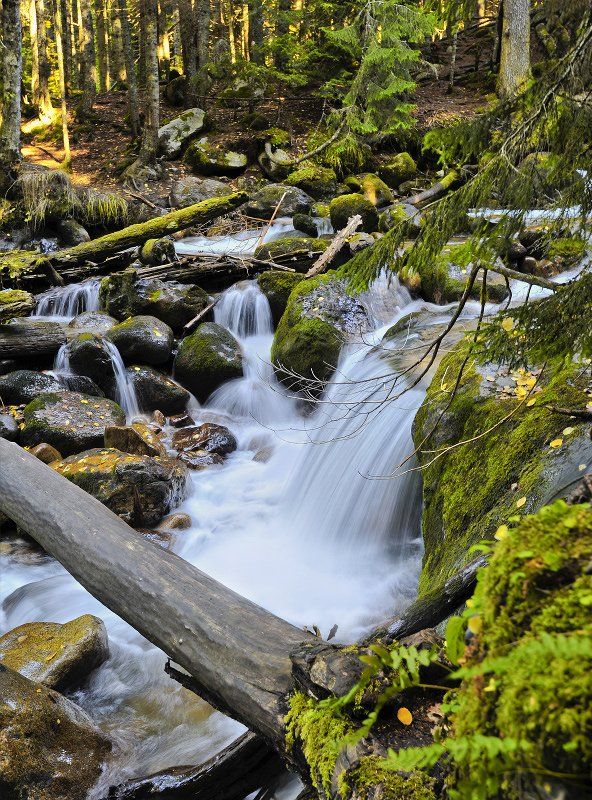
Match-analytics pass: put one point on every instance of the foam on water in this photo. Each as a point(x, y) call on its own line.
point(65, 302)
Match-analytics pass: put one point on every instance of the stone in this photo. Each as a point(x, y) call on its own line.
point(139, 489)
point(398, 170)
point(277, 165)
point(447, 280)
point(298, 252)
point(88, 355)
point(276, 285)
point(372, 187)
point(15, 303)
point(82, 384)
point(208, 159)
point(201, 459)
point(8, 427)
point(59, 656)
point(143, 338)
point(189, 190)
point(175, 135)
point(45, 452)
point(69, 421)
point(264, 202)
point(305, 224)
point(138, 439)
point(157, 251)
point(24, 385)
point(94, 321)
point(360, 241)
point(207, 358)
point(207, 437)
point(341, 209)
point(71, 232)
point(157, 392)
point(50, 749)
point(175, 522)
point(181, 420)
point(318, 182)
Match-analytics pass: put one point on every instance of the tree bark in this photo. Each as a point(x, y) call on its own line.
point(256, 31)
point(188, 48)
point(60, 40)
point(202, 10)
point(117, 57)
point(130, 68)
point(27, 338)
point(86, 55)
point(102, 46)
point(149, 146)
point(514, 67)
point(11, 66)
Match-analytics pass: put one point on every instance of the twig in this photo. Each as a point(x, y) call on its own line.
point(325, 258)
point(193, 322)
point(141, 198)
point(265, 230)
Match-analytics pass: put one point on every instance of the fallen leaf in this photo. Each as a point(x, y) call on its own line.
point(520, 502)
point(501, 532)
point(507, 323)
point(405, 716)
point(568, 431)
point(556, 443)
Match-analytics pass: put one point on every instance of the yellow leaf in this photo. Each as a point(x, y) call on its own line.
point(501, 532)
point(507, 323)
point(491, 686)
point(532, 401)
point(85, 402)
point(582, 467)
point(556, 443)
point(568, 431)
point(475, 624)
point(405, 716)
point(521, 502)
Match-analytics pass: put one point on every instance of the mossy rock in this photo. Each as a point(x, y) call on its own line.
point(94, 321)
point(139, 489)
point(277, 137)
point(278, 167)
point(298, 252)
point(398, 169)
point(175, 135)
point(318, 182)
point(276, 285)
point(69, 421)
point(143, 339)
point(137, 439)
point(372, 187)
point(88, 355)
point(446, 280)
point(305, 224)
point(208, 159)
point(51, 749)
point(393, 216)
point(58, 656)
point(318, 318)
point(24, 385)
point(291, 200)
point(566, 251)
point(341, 209)
point(208, 358)
point(157, 392)
point(472, 489)
point(15, 303)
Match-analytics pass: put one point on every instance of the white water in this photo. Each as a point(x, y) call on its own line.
point(65, 302)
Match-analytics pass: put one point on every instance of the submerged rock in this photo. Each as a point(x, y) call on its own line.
point(264, 202)
point(24, 385)
point(143, 338)
point(341, 209)
point(276, 285)
point(89, 356)
point(189, 190)
point(49, 748)
point(174, 136)
point(157, 392)
point(58, 656)
point(139, 489)
point(206, 359)
point(69, 421)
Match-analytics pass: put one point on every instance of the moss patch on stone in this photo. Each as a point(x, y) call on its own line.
point(318, 182)
point(341, 209)
point(370, 773)
point(276, 285)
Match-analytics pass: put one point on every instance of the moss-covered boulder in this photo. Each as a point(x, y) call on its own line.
point(15, 303)
point(174, 136)
point(189, 190)
point(518, 453)
point(291, 200)
point(276, 285)
point(398, 169)
point(144, 338)
point(24, 385)
point(298, 252)
point(93, 321)
point(372, 187)
point(399, 213)
point(566, 252)
point(58, 656)
point(276, 164)
point(88, 355)
point(69, 421)
point(157, 392)
point(319, 182)
point(206, 359)
point(320, 315)
point(208, 159)
point(139, 489)
point(341, 209)
point(446, 280)
point(50, 749)
point(305, 224)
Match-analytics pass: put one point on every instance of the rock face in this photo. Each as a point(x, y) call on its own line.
point(157, 392)
point(264, 202)
point(189, 190)
point(58, 656)
point(69, 421)
point(209, 437)
point(372, 187)
point(175, 135)
point(298, 252)
point(343, 208)
point(8, 427)
point(207, 159)
point(24, 385)
point(49, 748)
point(89, 356)
point(145, 339)
point(276, 285)
point(139, 489)
point(208, 358)
point(318, 182)
point(473, 489)
point(124, 295)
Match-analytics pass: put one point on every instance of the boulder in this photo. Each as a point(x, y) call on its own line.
point(360, 241)
point(277, 166)
point(137, 439)
point(208, 159)
point(175, 522)
point(71, 232)
point(50, 749)
point(58, 656)
point(372, 187)
point(190, 190)
point(45, 452)
point(398, 169)
point(208, 358)
point(396, 214)
point(209, 437)
point(446, 281)
point(341, 209)
point(24, 385)
point(175, 135)
point(69, 421)
point(305, 224)
point(89, 356)
point(139, 489)
point(265, 201)
point(93, 321)
point(298, 252)
point(276, 285)
point(176, 90)
point(319, 182)
point(156, 391)
point(80, 383)
point(143, 338)
point(9, 428)
point(15, 303)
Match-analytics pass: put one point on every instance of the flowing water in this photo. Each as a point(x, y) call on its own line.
point(63, 303)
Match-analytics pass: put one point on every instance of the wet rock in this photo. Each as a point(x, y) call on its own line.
point(89, 356)
point(15, 303)
point(298, 252)
point(50, 749)
point(276, 285)
point(82, 384)
point(175, 135)
point(305, 224)
point(360, 241)
point(143, 339)
point(95, 321)
point(263, 455)
point(45, 452)
point(58, 656)
point(71, 232)
point(201, 459)
point(398, 170)
point(264, 202)
point(208, 159)
point(318, 182)
point(277, 165)
point(189, 190)
point(208, 437)
point(516, 251)
point(137, 439)
point(181, 420)
point(396, 214)
point(372, 187)
point(69, 421)
point(24, 385)
point(159, 419)
point(341, 209)
point(175, 522)
point(139, 489)
point(8, 427)
point(157, 251)
point(206, 359)
point(156, 391)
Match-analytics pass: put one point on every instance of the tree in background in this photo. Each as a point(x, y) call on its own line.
point(11, 55)
point(514, 66)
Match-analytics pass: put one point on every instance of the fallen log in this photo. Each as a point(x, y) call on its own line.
point(324, 260)
point(436, 190)
point(28, 338)
point(211, 271)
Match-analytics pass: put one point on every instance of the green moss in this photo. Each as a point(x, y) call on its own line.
point(446, 280)
point(208, 358)
point(372, 187)
point(371, 773)
point(15, 263)
point(277, 285)
point(318, 182)
point(9, 296)
point(568, 248)
point(398, 169)
point(341, 209)
point(277, 137)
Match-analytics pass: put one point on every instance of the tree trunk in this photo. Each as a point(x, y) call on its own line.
point(43, 100)
point(256, 30)
point(149, 144)
point(203, 32)
point(282, 26)
point(102, 46)
point(11, 72)
point(59, 39)
point(117, 56)
point(86, 55)
point(164, 45)
point(188, 48)
point(130, 67)
point(514, 67)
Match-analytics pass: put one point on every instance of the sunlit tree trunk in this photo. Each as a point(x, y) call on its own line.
point(151, 95)
point(40, 64)
point(102, 48)
point(130, 69)
point(59, 40)
point(86, 55)
point(514, 67)
point(256, 30)
point(118, 71)
point(203, 31)
point(70, 32)
point(11, 73)
point(164, 48)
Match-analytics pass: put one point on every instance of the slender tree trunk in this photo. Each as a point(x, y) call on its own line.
point(86, 55)
point(71, 8)
point(102, 48)
point(164, 47)
point(256, 30)
point(282, 26)
point(11, 72)
point(203, 32)
point(60, 7)
point(130, 69)
point(514, 67)
point(59, 39)
point(188, 48)
point(118, 71)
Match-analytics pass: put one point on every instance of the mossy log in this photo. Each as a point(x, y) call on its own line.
point(436, 190)
point(28, 338)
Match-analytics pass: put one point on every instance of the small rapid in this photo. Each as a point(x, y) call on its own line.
point(62, 303)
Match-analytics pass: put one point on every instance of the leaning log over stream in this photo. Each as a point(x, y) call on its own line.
point(29, 338)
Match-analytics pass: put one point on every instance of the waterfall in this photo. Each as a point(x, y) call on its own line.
point(61, 363)
point(69, 301)
point(244, 310)
point(125, 391)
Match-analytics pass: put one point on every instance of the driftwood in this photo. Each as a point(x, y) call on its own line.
point(193, 323)
point(323, 262)
point(437, 190)
point(211, 271)
point(28, 338)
